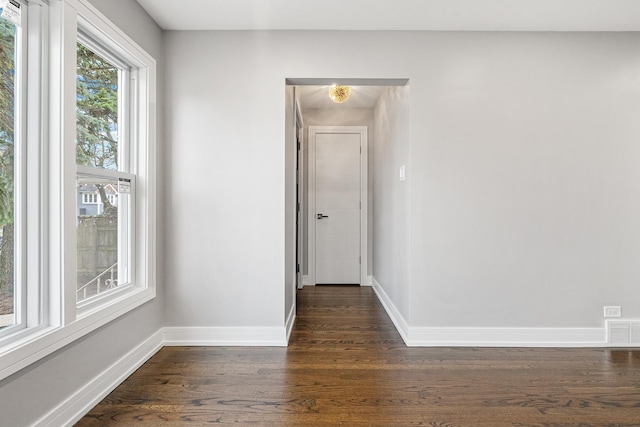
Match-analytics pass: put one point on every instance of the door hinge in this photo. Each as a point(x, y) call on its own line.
point(297, 268)
point(298, 146)
point(298, 206)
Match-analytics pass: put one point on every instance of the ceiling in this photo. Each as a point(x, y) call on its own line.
point(444, 15)
point(318, 97)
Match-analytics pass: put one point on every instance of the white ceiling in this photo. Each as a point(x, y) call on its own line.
point(318, 97)
point(445, 15)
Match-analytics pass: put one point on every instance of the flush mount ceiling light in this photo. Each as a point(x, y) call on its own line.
point(339, 94)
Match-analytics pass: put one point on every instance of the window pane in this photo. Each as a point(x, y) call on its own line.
point(8, 291)
point(99, 224)
point(97, 111)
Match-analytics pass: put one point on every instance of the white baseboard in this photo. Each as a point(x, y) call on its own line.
point(489, 337)
point(306, 281)
point(79, 403)
point(398, 320)
point(506, 337)
point(226, 336)
point(291, 320)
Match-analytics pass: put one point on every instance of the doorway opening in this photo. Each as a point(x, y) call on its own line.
point(327, 248)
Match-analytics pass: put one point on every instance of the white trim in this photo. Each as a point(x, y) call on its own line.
point(291, 320)
point(61, 280)
point(506, 337)
point(364, 194)
point(392, 311)
point(488, 337)
point(79, 403)
point(307, 280)
point(37, 139)
point(311, 229)
point(226, 336)
point(300, 213)
point(96, 25)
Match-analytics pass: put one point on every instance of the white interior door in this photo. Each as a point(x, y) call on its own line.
point(337, 208)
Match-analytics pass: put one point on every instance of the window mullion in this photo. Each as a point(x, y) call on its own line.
point(35, 169)
point(62, 160)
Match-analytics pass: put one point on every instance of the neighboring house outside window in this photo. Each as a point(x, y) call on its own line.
point(89, 200)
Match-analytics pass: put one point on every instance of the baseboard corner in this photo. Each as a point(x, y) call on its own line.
point(392, 311)
point(291, 320)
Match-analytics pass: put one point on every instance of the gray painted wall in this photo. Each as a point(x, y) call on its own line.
point(524, 179)
point(29, 394)
point(523, 172)
point(391, 226)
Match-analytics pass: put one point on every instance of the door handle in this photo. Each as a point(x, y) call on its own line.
point(320, 216)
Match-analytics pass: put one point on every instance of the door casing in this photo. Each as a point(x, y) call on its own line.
point(300, 212)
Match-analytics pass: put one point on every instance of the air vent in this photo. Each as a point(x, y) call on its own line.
point(623, 332)
point(634, 333)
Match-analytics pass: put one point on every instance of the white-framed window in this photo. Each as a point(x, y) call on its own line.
point(21, 262)
point(107, 98)
point(48, 312)
point(104, 104)
point(89, 198)
point(112, 152)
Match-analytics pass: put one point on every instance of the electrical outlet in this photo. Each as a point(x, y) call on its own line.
point(612, 311)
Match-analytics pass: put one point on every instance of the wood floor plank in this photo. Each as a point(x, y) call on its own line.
point(347, 366)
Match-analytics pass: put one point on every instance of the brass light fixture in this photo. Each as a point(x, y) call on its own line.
point(339, 94)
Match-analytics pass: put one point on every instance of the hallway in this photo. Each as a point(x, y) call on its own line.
point(347, 365)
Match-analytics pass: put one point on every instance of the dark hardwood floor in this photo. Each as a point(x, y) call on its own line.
point(347, 366)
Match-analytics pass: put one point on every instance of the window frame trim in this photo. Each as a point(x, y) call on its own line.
point(137, 155)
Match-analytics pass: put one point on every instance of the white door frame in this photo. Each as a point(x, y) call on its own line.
point(362, 131)
point(300, 212)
